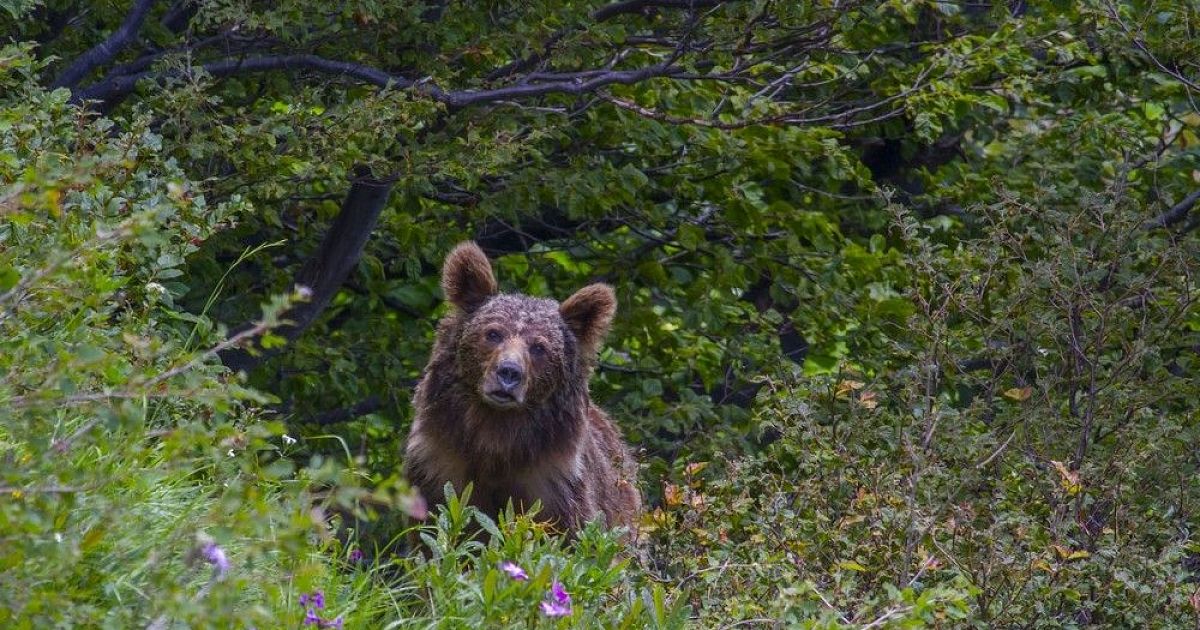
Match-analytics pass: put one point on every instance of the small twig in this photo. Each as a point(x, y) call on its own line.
point(887, 616)
point(747, 622)
point(257, 329)
point(996, 454)
point(830, 606)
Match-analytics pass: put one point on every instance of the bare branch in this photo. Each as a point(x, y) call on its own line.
point(567, 85)
point(837, 120)
point(118, 86)
point(1177, 213)
point(581, 82)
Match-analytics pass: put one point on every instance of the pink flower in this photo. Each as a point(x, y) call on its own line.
point(515, 572)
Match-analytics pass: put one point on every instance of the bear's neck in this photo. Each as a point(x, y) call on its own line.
point(500, 441)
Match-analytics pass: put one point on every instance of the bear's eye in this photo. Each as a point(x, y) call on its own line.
point(537, 349)
point(494, 336)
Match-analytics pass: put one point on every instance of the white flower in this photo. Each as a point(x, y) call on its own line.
point(231, 452)
point(287, 439)
point(155, 289)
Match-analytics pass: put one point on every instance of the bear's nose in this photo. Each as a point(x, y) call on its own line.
point(509, 374)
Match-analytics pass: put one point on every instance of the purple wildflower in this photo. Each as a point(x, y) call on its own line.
point(356, 556)
point(559, 604)
point(560, 594)
point(312, 602)
point(215, 556)
point(555, 609)
point(514, 571)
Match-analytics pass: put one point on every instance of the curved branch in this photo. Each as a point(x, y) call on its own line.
point(569, 83)
point(1177, 213)
point(106, 50)
point(120, 86)
point(581, 82)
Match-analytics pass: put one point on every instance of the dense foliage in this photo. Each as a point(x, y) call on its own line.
point(907, 336)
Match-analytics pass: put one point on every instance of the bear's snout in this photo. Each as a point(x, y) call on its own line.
point(509, 375)
point(506, 379)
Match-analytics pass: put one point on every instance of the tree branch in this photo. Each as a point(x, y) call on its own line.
point(581, 82)
point(106, 50)
point(1177, 213)
point(119, 86)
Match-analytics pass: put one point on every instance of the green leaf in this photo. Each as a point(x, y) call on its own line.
point(9, 278)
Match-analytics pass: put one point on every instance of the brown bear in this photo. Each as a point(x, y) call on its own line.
point(504, 403)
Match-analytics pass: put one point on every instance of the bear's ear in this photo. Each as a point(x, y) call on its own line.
point(588, 314)
point(467, 278)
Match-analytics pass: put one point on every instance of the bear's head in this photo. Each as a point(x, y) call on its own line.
point(519, 351)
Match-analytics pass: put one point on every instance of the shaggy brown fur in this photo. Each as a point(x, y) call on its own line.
point(504, 403)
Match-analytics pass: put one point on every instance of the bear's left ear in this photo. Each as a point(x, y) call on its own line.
point(588, 314)
point(467, 278)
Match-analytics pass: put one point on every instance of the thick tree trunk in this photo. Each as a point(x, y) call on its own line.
point(329, 267)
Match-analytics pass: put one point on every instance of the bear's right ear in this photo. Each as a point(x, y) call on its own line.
point(467, 278)
point(588, 314)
